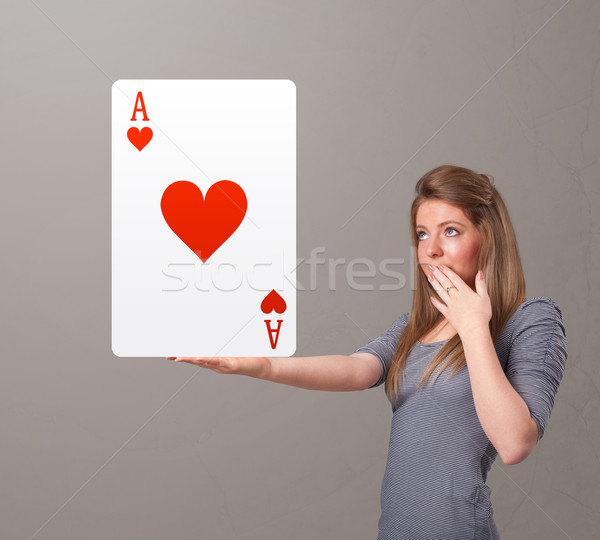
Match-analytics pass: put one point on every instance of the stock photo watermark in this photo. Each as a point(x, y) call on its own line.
point(358, 274)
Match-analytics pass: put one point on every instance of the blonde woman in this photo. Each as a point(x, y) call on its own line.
point(471, 371)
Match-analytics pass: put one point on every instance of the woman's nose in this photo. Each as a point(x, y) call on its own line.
point(434, 248)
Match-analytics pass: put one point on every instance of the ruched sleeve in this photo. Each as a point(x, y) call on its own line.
point(385, 345)
point(537, 357)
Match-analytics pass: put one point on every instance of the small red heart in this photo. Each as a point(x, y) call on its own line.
point(138, 138)
point(203, 224)
point(273, 301)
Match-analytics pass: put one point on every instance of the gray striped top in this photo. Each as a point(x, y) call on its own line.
point(439, 456)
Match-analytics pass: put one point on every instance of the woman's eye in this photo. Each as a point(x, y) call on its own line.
point(419, 233)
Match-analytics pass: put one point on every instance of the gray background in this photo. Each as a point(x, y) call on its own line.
point(100, 447)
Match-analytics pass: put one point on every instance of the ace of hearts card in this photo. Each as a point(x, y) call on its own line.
point(203, 218)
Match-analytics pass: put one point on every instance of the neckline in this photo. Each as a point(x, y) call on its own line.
point(434, 342)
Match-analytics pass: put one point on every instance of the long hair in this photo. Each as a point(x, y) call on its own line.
point(499, 259)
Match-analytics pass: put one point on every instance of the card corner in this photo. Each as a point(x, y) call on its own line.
point(292, 83)
point(116, 351)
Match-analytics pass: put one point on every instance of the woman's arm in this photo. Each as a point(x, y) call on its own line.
point(502, 412)
point(335, 373)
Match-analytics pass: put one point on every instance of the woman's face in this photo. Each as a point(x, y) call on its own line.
point(446, 236)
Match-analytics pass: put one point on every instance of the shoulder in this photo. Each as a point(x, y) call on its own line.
point(539, 315)
point(398, 325)
point(400, 322)
point(535, 309)
point(404, 318)
point(539, 304)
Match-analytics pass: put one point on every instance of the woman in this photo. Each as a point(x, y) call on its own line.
point(471, 371)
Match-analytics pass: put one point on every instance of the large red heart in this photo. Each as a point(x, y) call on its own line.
point(204, 224)
point(273, 301)
point(138, 138)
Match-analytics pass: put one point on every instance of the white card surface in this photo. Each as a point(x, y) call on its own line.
point(203, 218)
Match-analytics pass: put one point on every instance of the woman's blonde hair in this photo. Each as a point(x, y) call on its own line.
point(499, 259)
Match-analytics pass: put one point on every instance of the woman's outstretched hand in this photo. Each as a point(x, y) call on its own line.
point(252, 366)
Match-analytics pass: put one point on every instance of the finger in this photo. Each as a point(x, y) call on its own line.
point(440, 282)
point(439, 305)
point(442, 278)
point(455, 279)
point(434, 282)
point(480, 284)
point(188, 359)
point(193, 361)
point(437, 287)
point(451, 274)
point(210, 362)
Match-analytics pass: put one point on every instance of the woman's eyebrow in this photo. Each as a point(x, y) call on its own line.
point(444, 223)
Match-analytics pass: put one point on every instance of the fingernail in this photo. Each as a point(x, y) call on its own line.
point(431, 267)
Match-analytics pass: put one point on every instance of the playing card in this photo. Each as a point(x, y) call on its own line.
point(203, 218)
